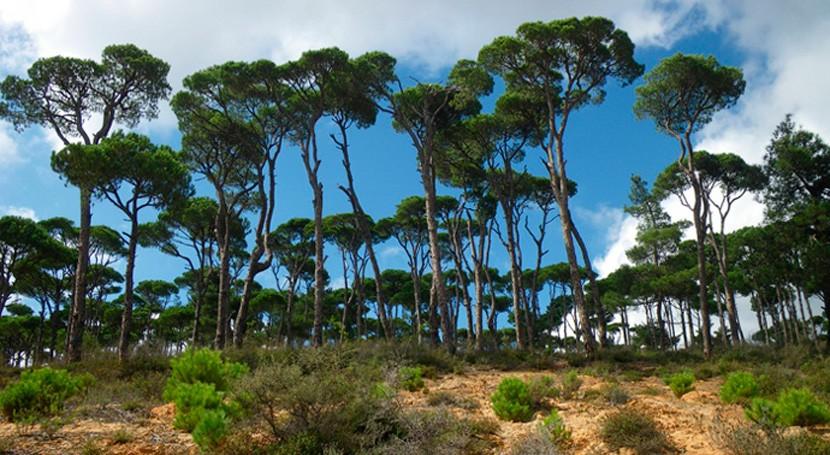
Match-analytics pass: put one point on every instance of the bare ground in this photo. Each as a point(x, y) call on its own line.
point(687, 421)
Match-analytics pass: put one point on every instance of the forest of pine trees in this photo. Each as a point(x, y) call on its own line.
point(68, 286)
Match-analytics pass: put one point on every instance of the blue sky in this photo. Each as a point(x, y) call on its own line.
point(604, 145)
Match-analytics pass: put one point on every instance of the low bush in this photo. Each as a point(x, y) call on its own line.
point(324, 395)
point(797, 407)
point(534, 443)
point(541, 388)
point(800, 407)
point(40, 393)
point(512, 401)
point(198, 385)
point(629, 429)
point(681, 383)
point(411, 378)
point(739, 387)
point(211, 428)
point(570, 384)
point(753, 440)
point(554, 428)
point(615, 395)
point(436, 432)
point(442, 398)
point(205, 366)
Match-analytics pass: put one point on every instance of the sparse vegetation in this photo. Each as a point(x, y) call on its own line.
point(570, 384)
point(411, 378)
point(630, 429)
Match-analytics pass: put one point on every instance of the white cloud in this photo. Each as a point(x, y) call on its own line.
point(9, 153)
point(24, 212)
point(620, 232)
point(391, 251)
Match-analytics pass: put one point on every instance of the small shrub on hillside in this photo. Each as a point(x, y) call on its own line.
point(512, 401)
point(554, 428)
point(681, 383)
point(192, 402)
point(436, 432)
point(325, 394)
point(40, 393)
point(205, 366)
point(570, 384)
point(739, 387)
point(752, 440)
point(629, 429)
point(616, 395)
point(411, 378)
point(762, 412)
point(800, 407)
point(542, 388)
point(121, 436)
point(198, 384)
point(211, 428)
point(442, 398)
point(775, 379)
point(794, 407)
point(534, 443)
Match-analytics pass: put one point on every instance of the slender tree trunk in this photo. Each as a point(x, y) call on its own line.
point(223, 222)
point(440, 291)
point(600, 310)
point(365, 231)
point(77, 313)
point(127, 315)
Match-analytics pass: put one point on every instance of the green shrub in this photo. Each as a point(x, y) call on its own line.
point(739, 387)
point(762, 412)
point(681, 383)
point(616, 395)
point(198, 383)
point(629, 429)
point(202, 365)
point(211, 428)
point(324, 394)
point(554, 428)
point(570, 384)
point(412, 378)
point(192, 402)
point(800, 407)
point(512, 401)
point(542, 388)
point(40, 393)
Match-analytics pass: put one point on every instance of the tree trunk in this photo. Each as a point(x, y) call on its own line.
point(586, 258)
point(127, 314)
point(222, 310)
point(576, 279)
point(428, 180)
point(700, 230)
point(77, 314)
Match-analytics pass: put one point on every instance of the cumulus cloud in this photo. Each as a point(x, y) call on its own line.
point(24, 212)
point(785, 68)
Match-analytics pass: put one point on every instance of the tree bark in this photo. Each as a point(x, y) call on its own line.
point(78, 312)
point(127, 314)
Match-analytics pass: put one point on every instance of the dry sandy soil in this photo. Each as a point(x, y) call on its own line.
point(687, 421)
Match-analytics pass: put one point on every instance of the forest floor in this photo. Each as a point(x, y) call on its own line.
point(689, 422)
